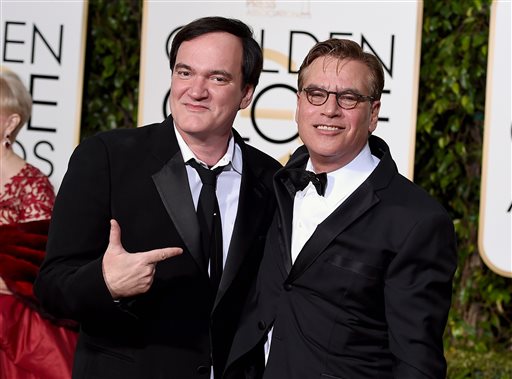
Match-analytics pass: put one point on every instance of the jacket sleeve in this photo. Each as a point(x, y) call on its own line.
point(418, 289)
point(70, 282)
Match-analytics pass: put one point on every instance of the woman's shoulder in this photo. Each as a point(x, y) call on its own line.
point(39, 195)
point(32, 176)
point(28, 196)
point(31, 171)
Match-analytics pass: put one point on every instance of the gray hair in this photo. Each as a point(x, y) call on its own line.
point(14, 97)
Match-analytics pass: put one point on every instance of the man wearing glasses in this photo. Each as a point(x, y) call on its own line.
point(356, 278)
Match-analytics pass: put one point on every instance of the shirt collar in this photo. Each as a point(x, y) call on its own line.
point(352, 174)
point(232, 158)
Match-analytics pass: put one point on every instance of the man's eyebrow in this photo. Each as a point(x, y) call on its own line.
point(350, 91)
point(182, 66)
point(347, 90)
point(223, 73)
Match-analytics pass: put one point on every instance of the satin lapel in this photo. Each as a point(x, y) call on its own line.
point(284, 225)
point(251, 210)
point(356, 205)
point(172, 185)
point(360, 202)
point(285, 194)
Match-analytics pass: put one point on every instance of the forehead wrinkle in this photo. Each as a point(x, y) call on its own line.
point(340, 65)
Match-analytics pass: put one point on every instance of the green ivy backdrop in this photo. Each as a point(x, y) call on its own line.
point(478, 339)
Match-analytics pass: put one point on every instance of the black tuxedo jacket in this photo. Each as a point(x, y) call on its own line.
point(138, 177)
point(367, 297)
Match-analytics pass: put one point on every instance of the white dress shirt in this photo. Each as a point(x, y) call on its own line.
point(310, 208)
point(228, 185)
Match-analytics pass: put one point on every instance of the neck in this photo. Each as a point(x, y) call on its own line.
point(323, 163)
point(320, 166)
point(209, 150)
point(10, 165)
point(6, 154)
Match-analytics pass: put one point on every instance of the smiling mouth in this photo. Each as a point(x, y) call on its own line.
point(191, 106)
point(329, 127)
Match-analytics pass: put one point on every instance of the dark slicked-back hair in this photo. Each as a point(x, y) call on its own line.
point(252, 62)
point(344, 49)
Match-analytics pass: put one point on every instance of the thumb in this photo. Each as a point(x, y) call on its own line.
point(114, 239)
point(159, 255)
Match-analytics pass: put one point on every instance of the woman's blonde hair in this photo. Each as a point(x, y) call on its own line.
point(14, 97)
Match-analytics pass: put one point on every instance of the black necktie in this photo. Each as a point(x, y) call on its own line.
point(301, 178)
point(208, 215)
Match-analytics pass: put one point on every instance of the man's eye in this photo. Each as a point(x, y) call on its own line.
point(183, 74)
point(317, 94)
point(348, 98)
point(219, 79)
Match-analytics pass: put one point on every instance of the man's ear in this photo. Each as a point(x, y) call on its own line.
point(374, 116)
point(297, 109)
point(247, 97)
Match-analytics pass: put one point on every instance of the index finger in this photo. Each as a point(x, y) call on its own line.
point(159, 255)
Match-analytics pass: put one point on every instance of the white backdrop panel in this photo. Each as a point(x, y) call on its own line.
point(495, 232)
point(44, 43)
point(286, 31)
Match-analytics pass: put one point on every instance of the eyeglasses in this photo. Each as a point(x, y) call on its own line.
point(346, 99)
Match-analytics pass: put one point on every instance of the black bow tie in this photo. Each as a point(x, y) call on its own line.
point(301, 178)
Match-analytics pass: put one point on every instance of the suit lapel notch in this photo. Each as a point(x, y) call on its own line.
point(172, 185)
point(363, 199)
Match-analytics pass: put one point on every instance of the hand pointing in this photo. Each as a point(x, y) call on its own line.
point(128, 274)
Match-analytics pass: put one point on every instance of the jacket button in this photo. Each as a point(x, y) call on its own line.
point(287, 286)
point(203, 370)
point(262, 325)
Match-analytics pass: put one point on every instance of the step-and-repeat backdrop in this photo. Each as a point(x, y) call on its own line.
point(286, 31)
point(44, 43)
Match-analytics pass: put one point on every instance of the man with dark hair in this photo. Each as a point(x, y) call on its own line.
point(356, 278)
point(142, 313)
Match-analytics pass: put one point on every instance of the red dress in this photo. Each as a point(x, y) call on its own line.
point(31, 346)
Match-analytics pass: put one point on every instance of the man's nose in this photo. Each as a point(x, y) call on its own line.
point(198, 88)
point(331, 106)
